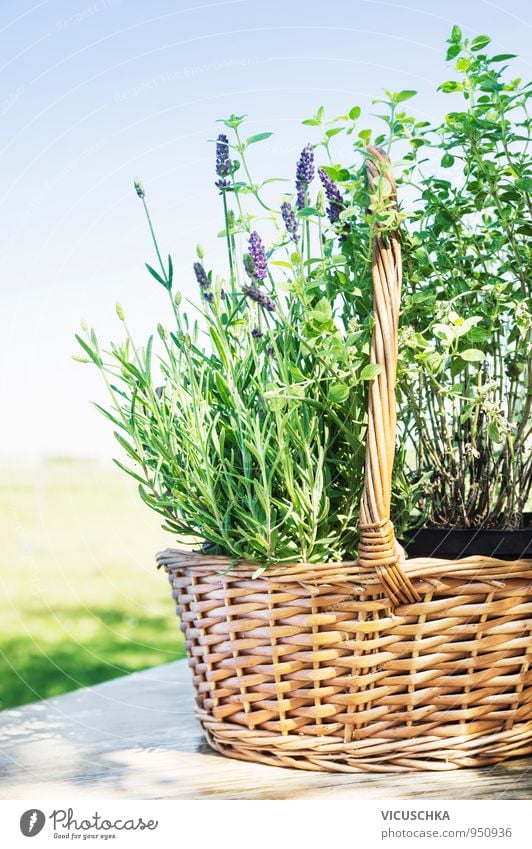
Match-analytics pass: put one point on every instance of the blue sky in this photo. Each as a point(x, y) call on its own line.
point(93, 94)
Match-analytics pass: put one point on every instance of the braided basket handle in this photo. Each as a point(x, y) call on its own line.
point(378, 548)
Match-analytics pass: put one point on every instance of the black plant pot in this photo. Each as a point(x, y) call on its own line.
point(451, 544)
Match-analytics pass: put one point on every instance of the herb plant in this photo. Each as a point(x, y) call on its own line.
point(244, 420)
point(466, 326)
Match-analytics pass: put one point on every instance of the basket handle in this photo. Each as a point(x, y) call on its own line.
point(378, 548)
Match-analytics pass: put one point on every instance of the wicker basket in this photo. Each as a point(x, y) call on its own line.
point(383, 664)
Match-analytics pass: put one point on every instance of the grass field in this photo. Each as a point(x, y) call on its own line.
point(82, 601)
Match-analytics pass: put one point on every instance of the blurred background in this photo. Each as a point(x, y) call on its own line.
point(93, 95)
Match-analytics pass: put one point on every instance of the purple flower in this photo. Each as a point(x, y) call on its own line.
point(336, 201)
point(304, 174)
point(201, 276)
point(223, 162)
point(256, 333)
point(290, 220)
point(204, 282)
point(260, 297)
point(258, 255)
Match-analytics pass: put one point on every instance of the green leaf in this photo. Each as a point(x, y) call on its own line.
point(338, 393)
point(158, 277)
point(449, 86)
point(447, 160)
point(463, 326)
point(88, 350)
point(258, 137)
point(370, 371)
point(404, 95)
point(456, 34)
point(501, 57)
point(307, 212)
point(322, 312)
point(129, 472)
point(524, 183)
point(126, 446)
point(444, 332)
point(281, 263)
point(493, 432)
point(354, 113)
point(452, 52)
point(233, 121)
point(479, 42)
point(472, 355)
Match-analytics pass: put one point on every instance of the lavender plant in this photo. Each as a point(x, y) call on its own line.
point(254, 438)
point(254, 443)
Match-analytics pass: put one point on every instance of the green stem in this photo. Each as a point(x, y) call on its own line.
point(228, 239)
point(157, 251)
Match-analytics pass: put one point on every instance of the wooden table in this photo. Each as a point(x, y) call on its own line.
point(136, 738)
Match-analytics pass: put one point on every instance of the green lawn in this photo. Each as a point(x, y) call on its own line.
point(82, 601)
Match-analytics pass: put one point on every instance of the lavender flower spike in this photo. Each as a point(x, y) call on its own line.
point(201, 276)
point(223, 162)
point(204, 282)
point(260, 298)
point(290, 221)
point(258, 255)
point(336, 201)
point(304, 174)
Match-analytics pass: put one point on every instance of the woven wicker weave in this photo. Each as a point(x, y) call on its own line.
point(379, 665)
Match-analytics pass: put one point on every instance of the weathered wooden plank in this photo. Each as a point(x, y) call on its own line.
point(136, 738)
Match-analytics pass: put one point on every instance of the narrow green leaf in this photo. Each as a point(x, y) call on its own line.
point(157, 276)
point(129, 472)
point(88, 350)
point(501, 57)
point(258, 137)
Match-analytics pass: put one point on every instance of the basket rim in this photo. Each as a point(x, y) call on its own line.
point(476, 568)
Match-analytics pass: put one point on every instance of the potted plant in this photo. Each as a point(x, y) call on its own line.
point(466, 321)
point(265, 428)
